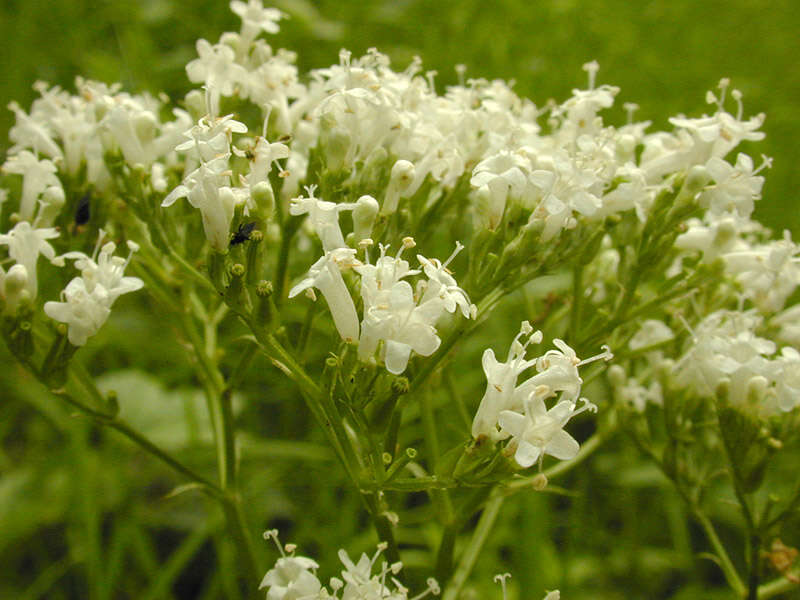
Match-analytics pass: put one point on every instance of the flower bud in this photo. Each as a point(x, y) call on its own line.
point(403, 174)
point(196, 104)
point(264, 198)
point(144, 124)
point(336, 149)
point(364, 217)
point(15, 289)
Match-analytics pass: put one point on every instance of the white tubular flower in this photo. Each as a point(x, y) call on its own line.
point(403, 175)
point(210, 138)
point(501, 384)
point(768, 273)
point(83, 310)
point(392, 314)
point(216, 67)
point(650, 333)
point(557, 373)
point(37, 176)
point(50, 205)
point(788, 324)
point(264, 155)
point(256, 18)
point(28, 132)
point(324, 217)
point(401, 324)
point(499, 177)
point(107, 270)
point(326, 276)
point(292, 578)
point(735, 187)
point(725, 347)
point(86, 301)
point(540, 431)
point(207, 189)
point(722, 132)
point(25, 244)
point(442, 287)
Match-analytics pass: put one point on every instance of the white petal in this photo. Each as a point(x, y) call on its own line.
point(563, 446)
point(397, 355)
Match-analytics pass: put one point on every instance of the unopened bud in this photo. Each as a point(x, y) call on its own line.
point(539, 482)
point(196, 104)
point(337, 147)
point(264, 198)
point(364, 217)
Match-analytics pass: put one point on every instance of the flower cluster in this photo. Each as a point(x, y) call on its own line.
point(294, 578)
point(519, 411)
point(398, 318)
point(724, 349)
point(86, 301)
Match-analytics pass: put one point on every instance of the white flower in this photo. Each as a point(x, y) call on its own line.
point(326, 276)
point(735, 187)
point(86, 301)
point(256, 18)
point(207, 189)
point(324, 217)
point(501, 384)
point(37, 176)
point(216, 67)
point(402, 320)
point(557, 373)
point(541, 431)
point(499, 177)
point(292, 579)
point(210, 138)
point(28, 132)
point(442, 287)
point(650, 333)
point(25, 244)
point(401, 324)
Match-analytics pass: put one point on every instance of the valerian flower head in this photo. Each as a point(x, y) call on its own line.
point(509, 409)
point(501, 383)
point(86, 301)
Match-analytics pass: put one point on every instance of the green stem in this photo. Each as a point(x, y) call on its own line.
point(470, 556)
point(154, 450)
point(383, 526)
point(133, 435)
point(778, 586)
point(282, 267)
point(251, 574)
point(725, 563)
point(577, 296)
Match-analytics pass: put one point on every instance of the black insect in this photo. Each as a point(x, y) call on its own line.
point(243, 233)
point(82, 213)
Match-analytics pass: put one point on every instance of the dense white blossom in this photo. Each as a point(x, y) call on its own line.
point(518, 410)
point(87, 299)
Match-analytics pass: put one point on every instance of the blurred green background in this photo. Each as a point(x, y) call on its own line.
point(89, 511)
